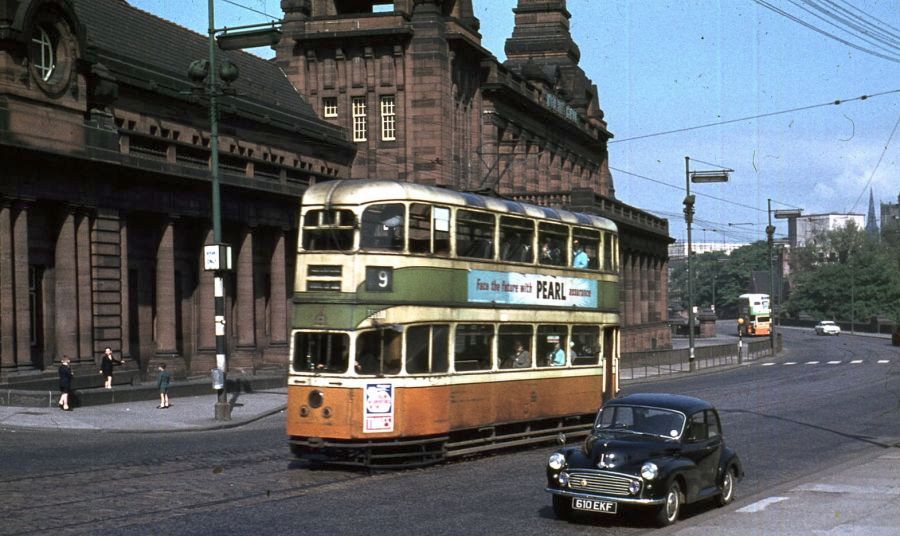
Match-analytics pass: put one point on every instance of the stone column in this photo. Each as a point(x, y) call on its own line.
point(278, 332)
point(83, 278)
point(246, 321)
point(628, 283)
point(7, 303)
point(645, 289)
point(125, 287)
point(66, 292)
point(23, 305)
point(165, 292)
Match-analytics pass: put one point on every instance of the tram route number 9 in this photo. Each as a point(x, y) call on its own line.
point(379, 278)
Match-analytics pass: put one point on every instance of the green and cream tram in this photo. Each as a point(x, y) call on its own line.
point(429, 323)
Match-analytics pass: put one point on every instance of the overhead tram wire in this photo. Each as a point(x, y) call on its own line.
point(863, 14)
point(823, 32)
point(682, 189)
point(877, 164)
point(861, 23)
point(248, 8)
point(856, 29)
point(760, 116)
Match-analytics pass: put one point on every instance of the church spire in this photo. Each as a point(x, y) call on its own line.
point(871, 224)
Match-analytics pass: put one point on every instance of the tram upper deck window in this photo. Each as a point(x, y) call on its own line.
point(429, 229)
point(516, 240)
point(585, 346)
point(585, 249)
point(474, 234)
point(554, 240)
point(474, 344)
point(427, 349)
point(321, 352)
point(378, 352)
point(328, 230)
point(382, 227)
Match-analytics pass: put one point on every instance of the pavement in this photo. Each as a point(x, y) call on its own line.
point(861, 497)
point(258, 398)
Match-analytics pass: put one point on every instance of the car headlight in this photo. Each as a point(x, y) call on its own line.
point(649, 471)
point(557, 461)
point(634, 487)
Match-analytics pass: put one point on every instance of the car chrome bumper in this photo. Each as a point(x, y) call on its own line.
point(623, 500)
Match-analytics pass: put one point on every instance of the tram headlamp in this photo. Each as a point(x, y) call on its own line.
point(316, 399)
point(557, 461)
point(649, 471)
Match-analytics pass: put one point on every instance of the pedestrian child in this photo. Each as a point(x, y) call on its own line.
point(162, 381)
point(65, 383)
point(106, 367)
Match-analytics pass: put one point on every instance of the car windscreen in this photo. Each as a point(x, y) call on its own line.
point(640, 419)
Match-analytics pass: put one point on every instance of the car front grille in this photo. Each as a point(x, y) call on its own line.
point(600, 482)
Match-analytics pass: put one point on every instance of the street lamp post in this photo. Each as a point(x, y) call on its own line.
point(697, 177)
point(217, 256)
point(770, 240)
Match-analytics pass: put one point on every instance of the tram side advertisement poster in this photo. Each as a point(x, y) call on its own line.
point(378, 413)
point(531, 289)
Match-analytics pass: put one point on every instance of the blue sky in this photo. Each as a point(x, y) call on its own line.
point(664, 65)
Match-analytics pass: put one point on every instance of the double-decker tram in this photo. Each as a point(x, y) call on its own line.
point(429, 323)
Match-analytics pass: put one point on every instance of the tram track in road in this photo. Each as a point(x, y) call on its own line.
point(119, 495)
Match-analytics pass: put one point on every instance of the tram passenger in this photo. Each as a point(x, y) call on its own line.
point(556, 357)
point(579, 257)
point(520, 359)
point(366, 362)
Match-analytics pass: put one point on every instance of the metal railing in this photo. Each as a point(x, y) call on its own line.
point(634, 365)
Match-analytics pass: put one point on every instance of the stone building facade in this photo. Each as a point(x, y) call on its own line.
point(105, 191)
point(425, 102)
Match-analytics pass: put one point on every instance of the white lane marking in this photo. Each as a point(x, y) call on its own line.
point(835, 362)
point(856, 361)
point(790, 363)
point(883, 361)
point(812, 362)
point(759, 506)
point(767, 364)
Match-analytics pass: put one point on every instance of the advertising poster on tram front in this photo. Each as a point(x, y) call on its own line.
point(378, 410)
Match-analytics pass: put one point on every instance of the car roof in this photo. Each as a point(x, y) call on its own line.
point(826, 322)
point(682, 403)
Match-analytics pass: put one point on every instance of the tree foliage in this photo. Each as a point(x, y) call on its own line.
point(842, 275)
point(845, 275)
point(718, 278)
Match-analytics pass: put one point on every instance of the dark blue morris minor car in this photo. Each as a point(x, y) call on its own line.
point(650, 451)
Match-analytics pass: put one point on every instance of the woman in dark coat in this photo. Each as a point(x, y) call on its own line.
point(106, 367)
point(65, 383)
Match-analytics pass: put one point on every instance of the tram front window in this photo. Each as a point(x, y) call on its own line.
point(378, 352)
point(321, 352)
point(382, 227)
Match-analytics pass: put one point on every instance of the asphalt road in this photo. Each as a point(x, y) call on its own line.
point(787, 421)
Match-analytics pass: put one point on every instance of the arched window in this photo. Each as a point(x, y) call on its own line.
point(43, 53)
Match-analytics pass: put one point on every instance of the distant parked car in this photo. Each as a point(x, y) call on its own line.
point(895, 337)
point(655, 452)
point(827, 327)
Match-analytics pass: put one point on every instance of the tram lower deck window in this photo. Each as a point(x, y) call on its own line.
point(473, 347)
point(321, 352)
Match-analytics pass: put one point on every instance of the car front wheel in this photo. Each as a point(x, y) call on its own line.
point(562, 507)
point(726, 491)
point(668, 512)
